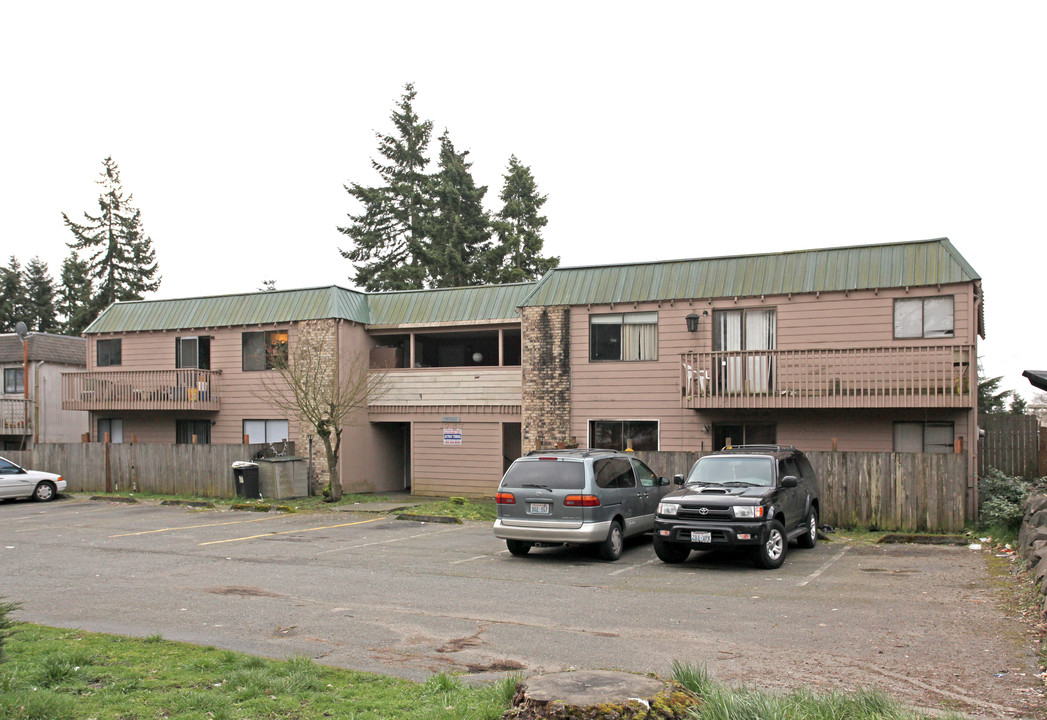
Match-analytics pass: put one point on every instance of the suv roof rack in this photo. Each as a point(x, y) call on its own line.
point(583, 452)
point(760, 448)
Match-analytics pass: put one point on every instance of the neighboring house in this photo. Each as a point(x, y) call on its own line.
point(868, 348)
point(31, 409)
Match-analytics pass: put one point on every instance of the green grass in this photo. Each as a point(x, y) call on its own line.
point(57, 674)
point(721, 703)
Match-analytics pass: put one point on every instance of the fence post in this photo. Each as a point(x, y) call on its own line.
point(108, 467)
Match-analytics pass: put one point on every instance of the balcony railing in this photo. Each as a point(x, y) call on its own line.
point(16, 416)
point(481, 386)
point(142, 390)
point(917, 376)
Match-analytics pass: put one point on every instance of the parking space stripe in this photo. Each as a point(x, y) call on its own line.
point(824, 567)
point(292, 532)
point(193, 527)
point(631, 567)
point(392, 540)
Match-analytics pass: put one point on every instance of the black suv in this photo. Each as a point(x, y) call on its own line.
point(756, 496)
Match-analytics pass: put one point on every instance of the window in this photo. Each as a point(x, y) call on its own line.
point(614, 473)
point(114, 427)
point(752, 329)
point(193, 352)
point(624, 336)
point(623, 434)
point(265, 431)
point(186, 430)
point(925, 437)
point(264, 350)
point(731, 434)
point(14, 380)
point(930, 317)
point(644, 474)
point(108, 352)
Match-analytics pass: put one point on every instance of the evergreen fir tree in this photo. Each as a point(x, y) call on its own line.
point(40, 297)
point(120, 257)
point(517, 252)
point(460, 232)
point(389, 235)
point(990, 398)
point(74, 295)
point(12, 296)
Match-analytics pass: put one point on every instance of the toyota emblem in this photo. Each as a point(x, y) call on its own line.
point(703, 511)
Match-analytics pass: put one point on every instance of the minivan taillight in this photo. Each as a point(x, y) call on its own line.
point(581, 501)
point(505, 499)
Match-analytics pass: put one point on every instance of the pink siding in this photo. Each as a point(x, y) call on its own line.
point(473, 468)
point(651, 390)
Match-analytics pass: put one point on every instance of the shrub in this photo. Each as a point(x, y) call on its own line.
point(1002, 499)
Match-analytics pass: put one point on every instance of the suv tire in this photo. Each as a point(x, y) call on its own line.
point(770, 554)
point(519, 548)
point(810, 533)
point(670, 552)
point(611, 548)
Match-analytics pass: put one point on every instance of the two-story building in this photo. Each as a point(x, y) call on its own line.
point(856, 348)
point(31, 397)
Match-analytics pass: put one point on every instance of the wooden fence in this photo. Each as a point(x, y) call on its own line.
point(201, 470)
point(1011, 445)
point(905, 492)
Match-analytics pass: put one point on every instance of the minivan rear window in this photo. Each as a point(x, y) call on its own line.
point(552, 474)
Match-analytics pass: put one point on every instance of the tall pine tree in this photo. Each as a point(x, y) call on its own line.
point(12, 296)
point(517, 252)
point(389, 235)
point(40, 297)
point(460, 231)
point(74, 295)
point(120, 257)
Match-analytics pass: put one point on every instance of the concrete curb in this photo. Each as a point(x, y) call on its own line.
point(430, 518)
point(100, 498)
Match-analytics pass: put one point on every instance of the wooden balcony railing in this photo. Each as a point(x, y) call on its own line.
point(891, 377)
point(142, 390)
point(16, 416)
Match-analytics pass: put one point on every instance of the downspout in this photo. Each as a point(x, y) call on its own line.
point(36, 402)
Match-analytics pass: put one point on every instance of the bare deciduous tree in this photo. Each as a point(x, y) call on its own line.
point(322, 389)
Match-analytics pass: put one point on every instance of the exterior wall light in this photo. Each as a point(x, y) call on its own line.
point(692, 322)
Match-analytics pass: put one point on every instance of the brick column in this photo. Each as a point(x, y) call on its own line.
point(546, 361)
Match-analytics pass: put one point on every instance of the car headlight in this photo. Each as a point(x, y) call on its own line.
point(749, 512)
point(668, 508)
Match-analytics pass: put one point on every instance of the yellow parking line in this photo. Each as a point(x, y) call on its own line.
point(193, 527)
point(291, 532)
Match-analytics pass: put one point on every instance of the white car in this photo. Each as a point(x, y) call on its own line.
point(17, 482)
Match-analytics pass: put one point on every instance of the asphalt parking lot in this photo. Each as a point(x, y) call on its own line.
point(370, 592)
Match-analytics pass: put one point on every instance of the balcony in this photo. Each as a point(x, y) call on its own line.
point(142, 390)
point(442, 387)
point(894, 377)
point(16, 416)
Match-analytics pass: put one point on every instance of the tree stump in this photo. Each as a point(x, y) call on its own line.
point(599, 695)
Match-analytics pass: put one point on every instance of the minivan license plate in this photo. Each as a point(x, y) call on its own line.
point(701, 537)
point(539, 509)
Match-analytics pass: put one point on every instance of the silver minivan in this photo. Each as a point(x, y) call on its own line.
point(596, 497)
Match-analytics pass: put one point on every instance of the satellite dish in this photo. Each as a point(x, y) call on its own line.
point(21, 330)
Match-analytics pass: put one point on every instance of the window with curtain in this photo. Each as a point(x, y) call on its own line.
point(193, 352)
point(749, 330)
point(623, 336)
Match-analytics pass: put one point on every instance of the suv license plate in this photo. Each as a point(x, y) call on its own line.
point(701, 537)
point(539, 509)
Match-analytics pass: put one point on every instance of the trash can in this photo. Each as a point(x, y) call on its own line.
point(245, 477)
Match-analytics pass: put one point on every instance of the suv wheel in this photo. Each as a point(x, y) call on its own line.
point(670, 552)
point(611, 548)
point(810, 536)
point(770, 554)
point(518, 547)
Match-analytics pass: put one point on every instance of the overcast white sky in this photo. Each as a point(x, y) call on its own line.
point(658, 130)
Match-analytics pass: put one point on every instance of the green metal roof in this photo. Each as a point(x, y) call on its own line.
point(231, 310)
point(484, 303)
point(924, 262)
point(488, 303)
